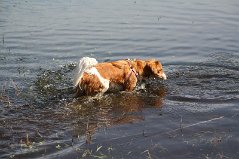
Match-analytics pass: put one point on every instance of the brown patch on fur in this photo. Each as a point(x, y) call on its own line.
point(90, 85)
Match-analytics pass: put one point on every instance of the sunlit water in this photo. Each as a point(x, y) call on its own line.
point(194, 114)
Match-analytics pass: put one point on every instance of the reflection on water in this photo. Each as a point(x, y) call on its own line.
point(111, 109)
point(192, 114)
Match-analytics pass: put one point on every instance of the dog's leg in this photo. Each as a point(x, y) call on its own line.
point(130, 84)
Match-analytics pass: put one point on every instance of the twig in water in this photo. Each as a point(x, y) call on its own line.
point(17, 90)
point(198, 123)
point(3, 97)
point(148, 154)
point(88, 133)
point(202, 122)
point(28, 143)
point(144, 134)
point(181, 121)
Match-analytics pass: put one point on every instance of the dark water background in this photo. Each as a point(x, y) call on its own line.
point(194, 114)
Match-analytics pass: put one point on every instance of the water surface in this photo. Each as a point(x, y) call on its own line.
point(193, 114)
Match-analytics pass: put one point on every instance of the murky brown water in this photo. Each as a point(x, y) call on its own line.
point(194, 114)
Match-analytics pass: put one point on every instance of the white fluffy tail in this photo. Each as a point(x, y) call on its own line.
point(84, 64)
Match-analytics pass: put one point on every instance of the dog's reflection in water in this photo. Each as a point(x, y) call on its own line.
point(112, 109)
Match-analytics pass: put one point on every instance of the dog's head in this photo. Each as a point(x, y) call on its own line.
point(154, 68)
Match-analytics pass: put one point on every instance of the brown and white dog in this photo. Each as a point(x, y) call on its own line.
point(92, 78)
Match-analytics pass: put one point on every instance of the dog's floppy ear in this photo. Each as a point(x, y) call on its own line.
point(153, 67)
point(152, 63)
point(149, 68)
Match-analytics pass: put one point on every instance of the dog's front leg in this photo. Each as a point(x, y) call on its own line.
point(130, 84)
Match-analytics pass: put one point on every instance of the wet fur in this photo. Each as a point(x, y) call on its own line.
point(119, 74)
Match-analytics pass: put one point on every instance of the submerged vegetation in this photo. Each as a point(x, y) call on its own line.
point(55, 84)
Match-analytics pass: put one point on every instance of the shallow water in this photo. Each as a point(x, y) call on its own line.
point(194, 114)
